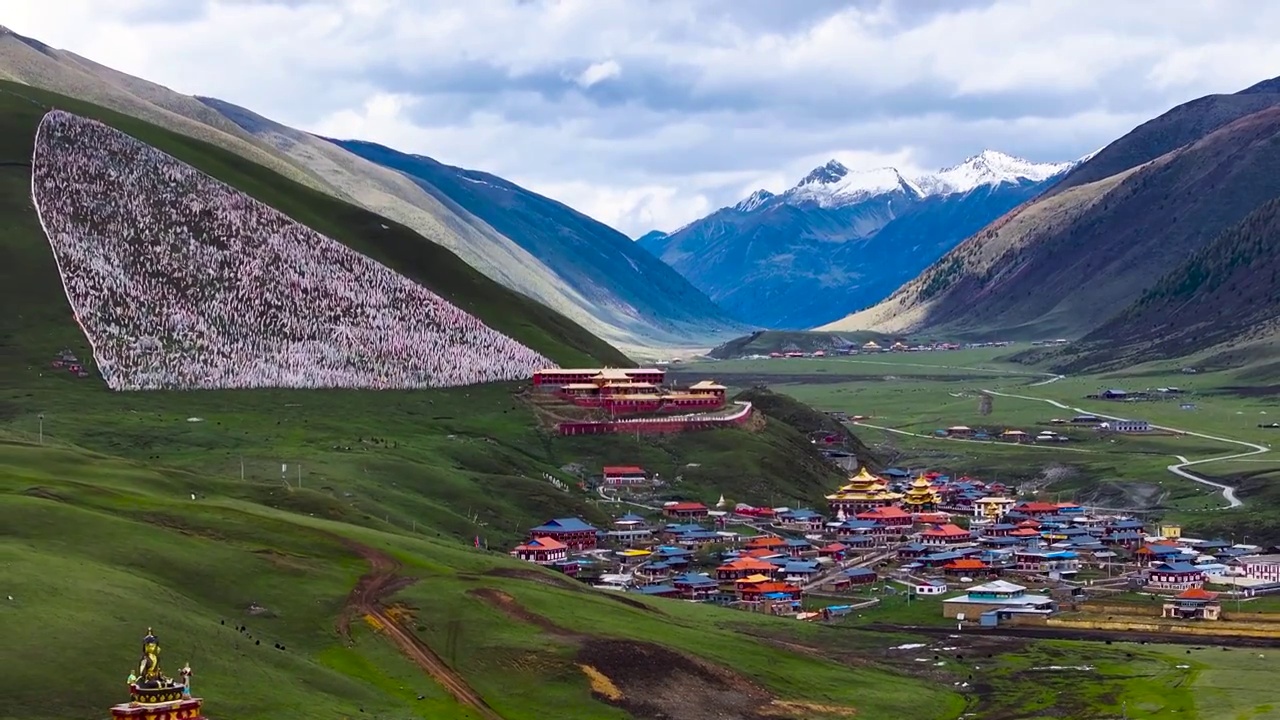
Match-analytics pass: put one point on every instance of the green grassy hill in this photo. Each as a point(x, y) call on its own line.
point(171, 510)
point(37, 319)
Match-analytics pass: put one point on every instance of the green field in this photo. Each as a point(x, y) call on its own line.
point(906, 397)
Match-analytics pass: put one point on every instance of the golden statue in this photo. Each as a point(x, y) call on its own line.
point(154, 696)
point(149, 675)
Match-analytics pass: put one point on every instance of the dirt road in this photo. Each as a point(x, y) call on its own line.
point(366, 599)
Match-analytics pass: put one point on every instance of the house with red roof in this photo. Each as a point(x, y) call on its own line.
point(944, 535)
point(1193, 604)
point(543, 551)
point(755, 591)
point(889, 516)
point(835, 551)
point(624, 476)
point(1036, 509)
point(685, 510)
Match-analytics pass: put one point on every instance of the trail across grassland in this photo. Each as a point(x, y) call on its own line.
point(1179, 468)
point(366, 599)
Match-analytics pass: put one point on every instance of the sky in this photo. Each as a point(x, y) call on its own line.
point(648, 114)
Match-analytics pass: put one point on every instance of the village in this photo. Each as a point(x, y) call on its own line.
point(984, 557)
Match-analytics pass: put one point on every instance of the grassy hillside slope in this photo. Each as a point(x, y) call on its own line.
point(1228, 292)
point(1076, 258)
point(31, 286)
point(97, 549)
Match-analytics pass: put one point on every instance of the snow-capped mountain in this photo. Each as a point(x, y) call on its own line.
point(842, 239)
point(989, 167)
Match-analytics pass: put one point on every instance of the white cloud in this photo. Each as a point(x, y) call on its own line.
point(599, 72)
point(648, 114)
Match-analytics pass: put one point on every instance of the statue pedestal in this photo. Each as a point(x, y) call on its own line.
point(186, 709)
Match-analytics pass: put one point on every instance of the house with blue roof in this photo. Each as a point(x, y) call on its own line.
point(660, 590)
point(802, 519)
point(796, 547)
point(574, 532)
point(800, 572)
point(1176, 575)
point(695, 586)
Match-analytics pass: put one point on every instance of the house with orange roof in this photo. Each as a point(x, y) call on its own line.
point(755, 592)
point(743, 567)
point(542, 550)
point(685, 510)
point(966, 566)
point(1036, 509)
point(945, 535)
point(1194, 603)
point(766, 542)
point(835, 551)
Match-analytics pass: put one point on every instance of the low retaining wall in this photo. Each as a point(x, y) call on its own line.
point(648, 426)
point(1155, 625)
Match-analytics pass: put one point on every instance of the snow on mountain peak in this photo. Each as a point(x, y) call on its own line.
point(833, 185)
point(754, 200)
point(826, 174)
point(989, 167)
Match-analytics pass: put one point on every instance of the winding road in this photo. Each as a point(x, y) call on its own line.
point(1179, 468)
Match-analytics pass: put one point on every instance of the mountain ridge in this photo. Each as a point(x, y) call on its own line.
point(586, 252)
point(324, 167)
point(1066, 263)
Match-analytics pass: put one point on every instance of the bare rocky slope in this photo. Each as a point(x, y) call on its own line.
point(1067, 262)
point(336, 172)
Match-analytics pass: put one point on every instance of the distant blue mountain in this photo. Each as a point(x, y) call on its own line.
point(636, 289)
point(841, 240)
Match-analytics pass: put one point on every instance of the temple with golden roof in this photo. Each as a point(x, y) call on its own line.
point(921, 497)
point(155, 696)
point(864, 491)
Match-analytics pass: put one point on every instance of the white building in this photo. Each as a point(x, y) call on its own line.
point(1261, 567)
point(1127, 426)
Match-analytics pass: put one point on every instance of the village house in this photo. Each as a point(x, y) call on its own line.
point(835, 551)
point(1035, 509)
point(542, 550)
point(573, 532)
point(1192, 604)
point(751, 590)
point(795, 547)
point(1128, 426)
point(624, 476)
point(803, 519)
point(860, 576)
point(889, 516)
point(629, 530)
point(1055, 563)
point(946, 535)
point(695, 586)
point(685, 510)
point(1260, 567)
point(731, 572)
point(913, 550)
point(999, 596)
point(966, 566)
point(1156, 553)
point(862, 533)
point(927, 587)
point(665, 590)
point(800, 572)
point(1174, 576)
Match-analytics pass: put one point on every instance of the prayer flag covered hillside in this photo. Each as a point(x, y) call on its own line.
point(180, 281)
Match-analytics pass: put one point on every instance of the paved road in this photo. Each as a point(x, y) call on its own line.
point(1179, 468)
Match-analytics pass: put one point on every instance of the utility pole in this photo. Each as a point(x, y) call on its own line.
point(241, 468)
point(40, 420)
point(299, 474)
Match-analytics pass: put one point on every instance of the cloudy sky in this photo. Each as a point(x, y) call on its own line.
point(648, 113)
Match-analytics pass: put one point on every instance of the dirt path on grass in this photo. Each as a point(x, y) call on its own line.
point(366, 600)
